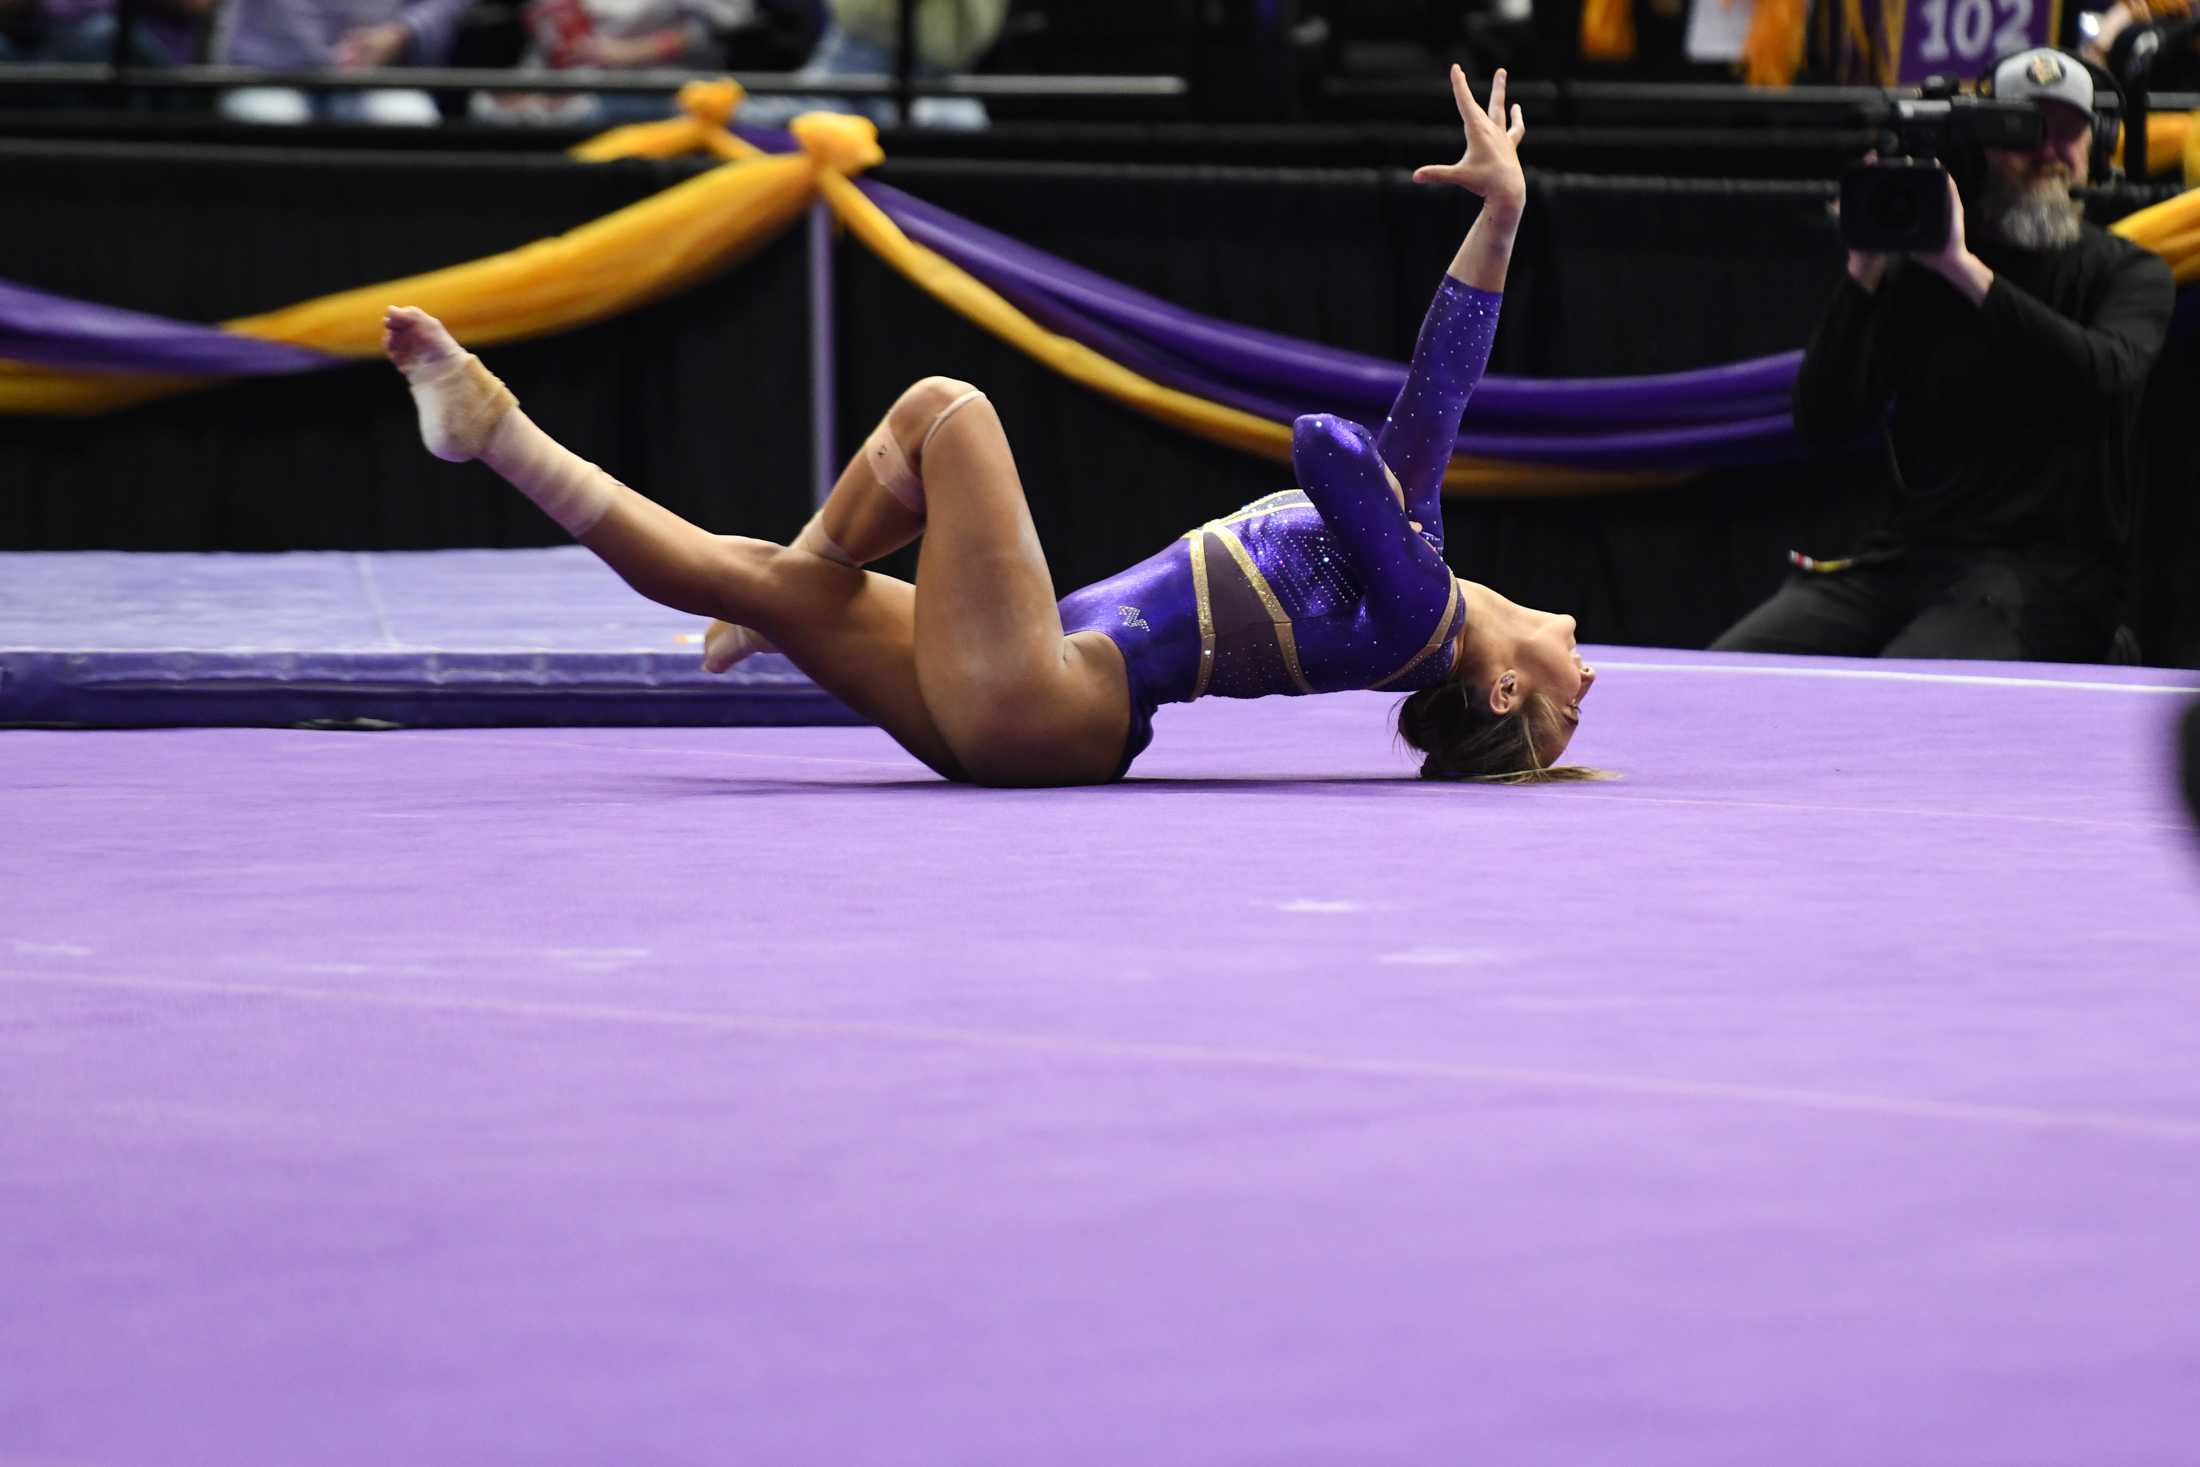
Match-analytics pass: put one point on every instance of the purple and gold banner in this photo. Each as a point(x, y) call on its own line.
point(55, 331)
point(1683, 420)
point(1230, 383)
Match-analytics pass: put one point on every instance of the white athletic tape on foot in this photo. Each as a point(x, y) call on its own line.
point(460, 402)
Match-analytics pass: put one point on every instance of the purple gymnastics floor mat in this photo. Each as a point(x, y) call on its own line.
point(423, 639)
point(1824, 1092)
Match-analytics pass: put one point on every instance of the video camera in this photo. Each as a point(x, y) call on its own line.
point(1900, 203)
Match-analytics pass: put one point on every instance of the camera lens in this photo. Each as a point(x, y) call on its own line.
point(1894, 208)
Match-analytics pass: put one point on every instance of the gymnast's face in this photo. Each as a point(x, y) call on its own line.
point(1546, 661)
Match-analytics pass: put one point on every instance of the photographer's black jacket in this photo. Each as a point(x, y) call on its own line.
point(2014, 420)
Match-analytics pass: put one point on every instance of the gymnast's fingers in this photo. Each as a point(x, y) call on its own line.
point(1463, 95)
point(1479, 126)
point(1497, 97)
point(1519, 129)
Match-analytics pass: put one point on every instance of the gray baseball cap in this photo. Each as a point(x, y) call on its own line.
point(2044, 75)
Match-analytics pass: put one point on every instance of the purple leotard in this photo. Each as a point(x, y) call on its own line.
point(1320, 589)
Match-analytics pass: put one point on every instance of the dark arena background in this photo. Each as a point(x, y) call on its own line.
point(440, 1024)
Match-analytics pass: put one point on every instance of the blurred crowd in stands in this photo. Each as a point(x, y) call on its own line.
point(1265, 48)
point(817, 39)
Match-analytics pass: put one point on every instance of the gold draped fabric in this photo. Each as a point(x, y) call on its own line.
point(675, 238)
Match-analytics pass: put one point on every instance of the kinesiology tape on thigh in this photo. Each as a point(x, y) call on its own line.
point(892, 467)
point(815, 541)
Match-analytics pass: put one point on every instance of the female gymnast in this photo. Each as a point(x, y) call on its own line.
point(980, 673)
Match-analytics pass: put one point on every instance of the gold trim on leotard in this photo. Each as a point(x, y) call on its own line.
point(1435, 639)
point(1286, 640)
point(1268, 504)
point(1200, 594)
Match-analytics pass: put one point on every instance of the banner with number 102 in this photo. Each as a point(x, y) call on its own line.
point(1958, 37)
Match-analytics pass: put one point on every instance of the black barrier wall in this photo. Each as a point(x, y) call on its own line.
point(703, 401)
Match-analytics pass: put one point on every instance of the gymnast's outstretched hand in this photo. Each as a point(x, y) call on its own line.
point(1490, 168)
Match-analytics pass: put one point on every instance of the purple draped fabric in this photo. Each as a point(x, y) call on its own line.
point(1687, 445)
point(1682, 420)
point(55, 331)
point(1742, 389)
point(1723, 415)
point(1733, 414)
point(770, 139)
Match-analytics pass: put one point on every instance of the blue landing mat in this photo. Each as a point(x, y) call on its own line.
point(422, 639)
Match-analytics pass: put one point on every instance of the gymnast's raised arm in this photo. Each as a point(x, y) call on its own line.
point(1347, 472)
point(1490, 170)
point(1416, 440)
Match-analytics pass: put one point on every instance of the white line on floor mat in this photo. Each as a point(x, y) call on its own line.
point(1192, 1055)
point(1891, 675)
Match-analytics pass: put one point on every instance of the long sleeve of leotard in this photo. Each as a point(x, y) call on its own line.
point(1342, 474)
point(1418, 437)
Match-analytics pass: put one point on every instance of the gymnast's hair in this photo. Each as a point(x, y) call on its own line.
point(1458, 737)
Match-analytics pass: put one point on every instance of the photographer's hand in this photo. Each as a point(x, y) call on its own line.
point(1866, 267)
point(1954, 261)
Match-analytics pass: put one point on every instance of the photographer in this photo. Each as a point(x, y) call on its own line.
point(2015, 358)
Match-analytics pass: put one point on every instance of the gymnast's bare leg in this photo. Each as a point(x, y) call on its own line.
point(876, 507)
point(969, 669)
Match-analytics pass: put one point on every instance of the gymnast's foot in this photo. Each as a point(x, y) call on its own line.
point(724, 644)
point(460, 401)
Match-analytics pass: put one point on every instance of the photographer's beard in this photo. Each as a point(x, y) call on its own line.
point(2032, 210)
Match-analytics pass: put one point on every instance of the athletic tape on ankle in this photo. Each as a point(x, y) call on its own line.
point(566, 487)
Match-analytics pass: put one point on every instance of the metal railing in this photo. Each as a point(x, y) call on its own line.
point(108, 76)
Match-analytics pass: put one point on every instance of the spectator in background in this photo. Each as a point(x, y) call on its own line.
point(2014, 360)
point(2127, 29)
point(2102, 30)
point(614, 35)
point(339, 35)
point(861, 39)
point(83, 31)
